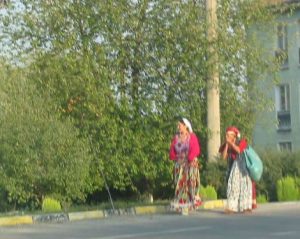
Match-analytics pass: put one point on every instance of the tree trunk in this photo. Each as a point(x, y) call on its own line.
point(213, 93)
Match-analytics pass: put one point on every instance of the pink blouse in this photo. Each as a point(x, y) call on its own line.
point(194, 148)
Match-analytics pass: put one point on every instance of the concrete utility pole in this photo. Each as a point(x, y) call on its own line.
point(3, 3)
point(213, 93)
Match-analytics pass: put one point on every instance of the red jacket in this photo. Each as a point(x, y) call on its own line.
point(194, 148)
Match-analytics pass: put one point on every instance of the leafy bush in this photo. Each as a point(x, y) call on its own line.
point(4, 204)
point(40, 153)
point(297, 182)
point(202, 192)
point(272, 172)
point(208, 193)
point(261, 198)
point(214, 174)
point(50, 205)
point(287, 189)
point(276, 166)
point(211, 193)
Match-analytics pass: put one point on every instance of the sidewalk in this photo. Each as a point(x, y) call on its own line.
point(141, 210)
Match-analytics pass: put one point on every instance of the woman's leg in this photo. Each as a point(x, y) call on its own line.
point(239, 189)
point(233, 189)
point(254, 204)
point(194, 184)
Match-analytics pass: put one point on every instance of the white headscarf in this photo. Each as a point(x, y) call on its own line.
point(187, 124)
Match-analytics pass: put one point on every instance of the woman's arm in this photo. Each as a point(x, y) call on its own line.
point(194, 150)
point(172, 153)
point(240, 147)
point(224, 150)
point(234, 147)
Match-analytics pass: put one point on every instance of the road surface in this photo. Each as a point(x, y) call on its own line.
point(264, 223)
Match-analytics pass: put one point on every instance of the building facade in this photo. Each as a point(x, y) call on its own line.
point(280, 128)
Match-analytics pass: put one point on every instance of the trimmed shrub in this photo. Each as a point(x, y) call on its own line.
point(273, 171)
point(261, 199)
point(297, 182)
point(50, 205)
point(214, 174)
point(276, 166)
point(211, 193)
point(202, 192)
point(208, 193)
point(287, 189)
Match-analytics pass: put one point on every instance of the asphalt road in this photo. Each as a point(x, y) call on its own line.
point(267, 222)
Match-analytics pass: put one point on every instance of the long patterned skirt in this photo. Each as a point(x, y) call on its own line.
point(187, 184)
point(239, 188)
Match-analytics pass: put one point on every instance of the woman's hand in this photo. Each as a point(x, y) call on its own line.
point(229, 139)
point(224, 153)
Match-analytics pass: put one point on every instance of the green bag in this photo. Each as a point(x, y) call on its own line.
point(254, 163)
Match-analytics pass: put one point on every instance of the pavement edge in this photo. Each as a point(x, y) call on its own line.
point(98, 214)
point(15, 220)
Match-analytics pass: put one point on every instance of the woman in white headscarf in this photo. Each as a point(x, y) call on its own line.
point(184, 150)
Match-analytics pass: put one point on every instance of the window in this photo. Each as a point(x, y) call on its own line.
point(282, 97)
point(298, 37)
point(285, 146)
point(282, 45)
point(284, 91)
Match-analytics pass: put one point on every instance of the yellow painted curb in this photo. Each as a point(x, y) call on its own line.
point(10, 221)
point(150, 209)
point(214, 204)
point(85, 215)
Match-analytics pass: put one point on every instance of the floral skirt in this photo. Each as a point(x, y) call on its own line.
point(187, 184)
point(239, 188)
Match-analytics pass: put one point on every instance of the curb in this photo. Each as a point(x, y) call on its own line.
point(15, 220)
point(75, 216)
point(151, 210)
point(140, 210)
point(278, 205)
point(51, 218)
point(214, 204)
point(98, 214)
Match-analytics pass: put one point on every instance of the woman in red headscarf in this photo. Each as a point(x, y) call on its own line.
point(239, 184)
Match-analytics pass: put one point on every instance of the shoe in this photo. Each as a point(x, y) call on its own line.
point(197, 203)
point(228, 211)
point(247, 211)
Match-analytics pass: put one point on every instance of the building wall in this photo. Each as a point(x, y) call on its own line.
point(267, 133)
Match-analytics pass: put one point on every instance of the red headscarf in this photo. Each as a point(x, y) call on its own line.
point(234, 130)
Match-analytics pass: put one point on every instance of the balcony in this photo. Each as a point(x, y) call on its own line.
point(284, 121)
point(282, 58)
